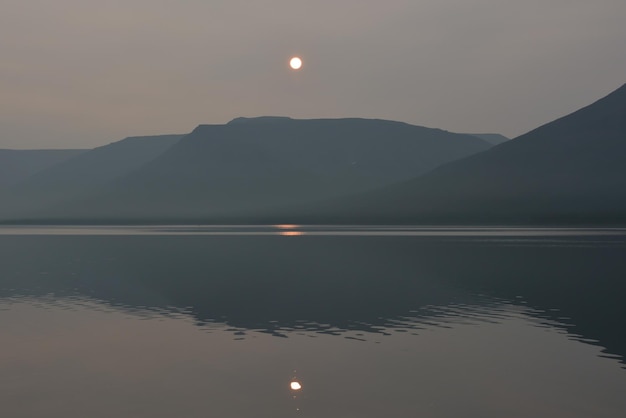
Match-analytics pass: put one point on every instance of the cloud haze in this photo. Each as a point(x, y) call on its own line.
point(80, 73)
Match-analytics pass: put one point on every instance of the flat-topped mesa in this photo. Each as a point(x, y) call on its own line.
point(256, 164)
point(259, 119)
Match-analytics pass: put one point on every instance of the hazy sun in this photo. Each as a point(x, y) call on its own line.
point(295, 63)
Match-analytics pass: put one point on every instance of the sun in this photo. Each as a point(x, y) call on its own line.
point(295, 63)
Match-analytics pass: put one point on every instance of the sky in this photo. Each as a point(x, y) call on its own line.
point(84, 73)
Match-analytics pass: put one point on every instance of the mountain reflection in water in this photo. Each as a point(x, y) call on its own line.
point(75, 357)
point(378, 321)
point(330, 280)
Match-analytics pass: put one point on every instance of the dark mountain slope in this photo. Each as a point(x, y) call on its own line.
point(572, 169)
point(493, 139)
point(18, 165)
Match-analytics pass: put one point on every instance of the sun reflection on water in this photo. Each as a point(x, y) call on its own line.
point(291, 233)
point(287, 230)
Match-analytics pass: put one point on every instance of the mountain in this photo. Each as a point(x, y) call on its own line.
point(493, 139)
point(81, 175)
point(254, 164)
point(570, 170)
point(18, 165)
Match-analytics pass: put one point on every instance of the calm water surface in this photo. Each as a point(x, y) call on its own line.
point(373, 321)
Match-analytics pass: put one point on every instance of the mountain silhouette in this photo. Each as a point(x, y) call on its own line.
point(570, 170)
point(81, 175)
point(18, 165)
point(251, 165)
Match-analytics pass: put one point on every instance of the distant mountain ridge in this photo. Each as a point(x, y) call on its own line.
point(259, 119)
point(18, 165)
point(253, 164)
point(82, 174)
point(278, 169)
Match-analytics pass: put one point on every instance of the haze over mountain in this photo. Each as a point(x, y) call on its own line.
point(346, 171)
point(18, 165)
point(251, 164)
point(82, 174)
point(572, 169)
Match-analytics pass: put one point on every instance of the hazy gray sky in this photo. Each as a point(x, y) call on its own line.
point(82, 73)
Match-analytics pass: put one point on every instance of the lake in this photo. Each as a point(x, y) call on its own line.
point(197, 321)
